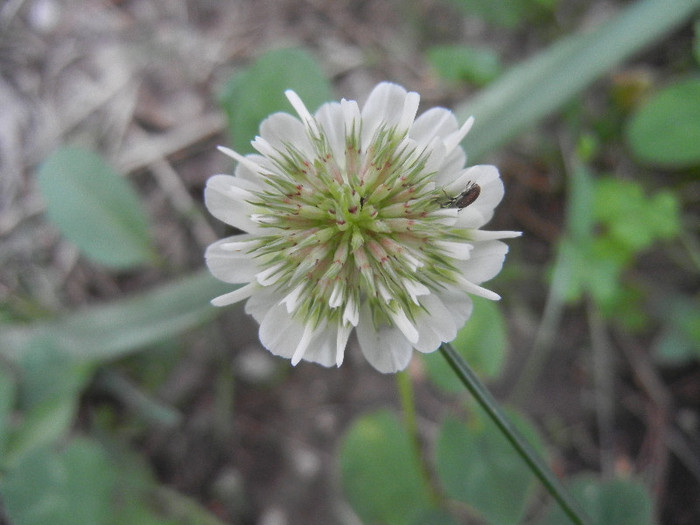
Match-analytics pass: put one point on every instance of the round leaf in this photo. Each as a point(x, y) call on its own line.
point(620, 502)
point(258, 91)
point(478, 466)
point(666, 130)
point(94, 206)
point(380, 471)
point(70, 487)
point(482, 342)
point(465, 63)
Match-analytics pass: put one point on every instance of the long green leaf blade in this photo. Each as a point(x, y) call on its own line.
point(112, 330)
point(541, 85)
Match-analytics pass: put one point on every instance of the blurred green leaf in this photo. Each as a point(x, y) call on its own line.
point(44, 425)
point(620, 502)
point(609, 222)
point(69, 487)
point(94, 206)
point(504, 13)
point(434, 517)
point(539, 86)
point(481, 342)
point(478, 466)
point(679, 340)
point(632, 220)
point(47, 373)
point(465, 63)
point(254, 93)
point(380, 471)
point(579, 219)
point(105, 332)
point(666, 130)
point(7, 401)
point(696, 42)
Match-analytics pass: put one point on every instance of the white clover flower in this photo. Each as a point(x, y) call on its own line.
point(357, 219)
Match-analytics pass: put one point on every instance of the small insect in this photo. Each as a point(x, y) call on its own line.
point(464, 199)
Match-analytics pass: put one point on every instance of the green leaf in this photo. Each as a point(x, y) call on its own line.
point(465, 63)
point(253, 94)
point(380, 471)
point(434, 517)
point(113, 330)
point(94, 207)
point(478, 466)
point(621, 502)
point(481, 342)
point(72, 487)
point(666, 130)
point(632, 220)
point(579, 219)
point(504, 13)
point(47, 373)
point(7, 401)
point(45, 424)
point(539, 86)
point(679, 340)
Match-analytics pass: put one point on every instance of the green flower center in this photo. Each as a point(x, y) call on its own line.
point(345, 230)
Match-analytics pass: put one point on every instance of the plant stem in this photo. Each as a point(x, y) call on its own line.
point(522, 447)
point(408, 407)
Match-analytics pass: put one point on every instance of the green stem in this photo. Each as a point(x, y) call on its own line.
point(522, 447)
point(408, 407)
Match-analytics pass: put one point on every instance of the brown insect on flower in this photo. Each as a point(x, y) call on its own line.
point(464, 199)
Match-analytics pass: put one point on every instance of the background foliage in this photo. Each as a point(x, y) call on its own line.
point(124, 399)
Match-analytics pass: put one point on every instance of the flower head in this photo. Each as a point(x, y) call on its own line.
point(357, 219)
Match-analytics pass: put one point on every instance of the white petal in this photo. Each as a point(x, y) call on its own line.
point(341, 342)
point(282, 129)
point(408, 114)
point(485, 261)
point(351, 116)
point(226, 199)
point(402, 323)
point(435, 324)
point(351, 314)
point(263, 147)
point(228, 260)
point(291, 300)
point(456, 250)
point(436, 157)
point(436, 122)
point(337, 295)
point(459, 304)
point(270, 275)
point(279, 333)
point(303, 344)
point(286, 337)
point(385, 347)
point(301, 110)
point(415, 289)
point(332, 120)
point(385, 105)
point(475, 289)
point(242, 159)
point(236, 296)
point(453, 140)
point(322, 349)
point(256, 176)
point(264, 300)
point(451, 167)
point(485, 235)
